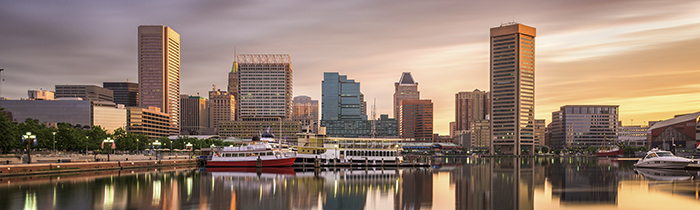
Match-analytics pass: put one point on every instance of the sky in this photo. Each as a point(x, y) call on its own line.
point(642, 55)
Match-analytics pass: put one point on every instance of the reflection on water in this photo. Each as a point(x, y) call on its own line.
point(468, 183)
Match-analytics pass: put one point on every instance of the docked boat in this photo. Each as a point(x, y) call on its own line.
point(656, 158)
point(248, 155)
point(610, 152)
point(371, 150)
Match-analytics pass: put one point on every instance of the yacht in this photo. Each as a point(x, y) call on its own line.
point(656, 158)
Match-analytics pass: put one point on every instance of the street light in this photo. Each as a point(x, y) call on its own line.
point(108, 140)
point(54, 142)
point(157, 143)
point(87, 141)
point(190, 146)
point(29, 137)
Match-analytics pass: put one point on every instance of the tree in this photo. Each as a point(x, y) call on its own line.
point(9, 137)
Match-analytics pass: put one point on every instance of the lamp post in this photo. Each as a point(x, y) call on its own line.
point(137, 146)
point(54, 142)
point(87, 141)
point(157, 143)
point(29, 137)
point(108, 140)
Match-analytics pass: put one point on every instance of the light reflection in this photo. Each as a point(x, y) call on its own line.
point(30, 201)
point(156, 192)
point(108, 199)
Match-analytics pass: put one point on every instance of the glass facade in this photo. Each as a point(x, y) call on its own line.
point(584, 126)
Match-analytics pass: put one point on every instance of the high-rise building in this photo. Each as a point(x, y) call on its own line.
point(233, 84)
point(406, 88)
point(159, 71)
point(86, 92)
point(264, 86)
point(341, 107)
point(480, 134)
point(539, 132)
point(150, 122)
point(221, 108)
point(416, 119)
point(584, 126)
point(126, 93)
point(195, 115)
point(470, 107)
point(305, 110)
point(512, 89)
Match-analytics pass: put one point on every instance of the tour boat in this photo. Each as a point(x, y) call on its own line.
point(610, 152)
point(656, 158)
point(249, 154)
point(327, 149)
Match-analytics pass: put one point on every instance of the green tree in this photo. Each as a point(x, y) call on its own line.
point(9, 135)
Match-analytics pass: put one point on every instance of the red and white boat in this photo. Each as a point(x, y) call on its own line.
point(249, 154)
point(610, 152)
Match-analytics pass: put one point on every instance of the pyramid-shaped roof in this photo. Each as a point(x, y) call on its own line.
point(406, 79)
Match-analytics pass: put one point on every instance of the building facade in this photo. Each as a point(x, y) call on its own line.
point(305, 111)
point(406, 88)
point(285, 130)
point(470, 107)
point(86, 92)
point(126, 93)
point(582, 126)
point(540, 128)
point(41, 95)
point(74, 111)
point(416, 119)
point(150, 122)
point(512, 88)
point(633, 135)
point(264, 89)
point(481, 134)
point(159, 71)
point(341, 107)
point(221, 108)
point(682, 130)
point(195, 115)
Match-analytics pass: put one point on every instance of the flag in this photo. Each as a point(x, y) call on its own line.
point(103, 145)
point(114, 146)
point(35, 143)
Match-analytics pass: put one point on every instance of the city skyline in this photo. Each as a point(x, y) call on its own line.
point(635, 54)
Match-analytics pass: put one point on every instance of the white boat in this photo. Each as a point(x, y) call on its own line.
point(656, 158)
point(248, 154)
point(657, 174)
point(328, 149)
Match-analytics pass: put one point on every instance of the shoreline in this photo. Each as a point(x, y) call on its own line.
point(61, 168)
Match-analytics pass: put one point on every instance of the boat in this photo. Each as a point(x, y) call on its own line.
point(249, 154)
point(610, 152)
point(311, 147)
point(656, 158)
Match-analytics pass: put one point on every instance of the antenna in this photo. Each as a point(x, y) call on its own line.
point(1, 78)
point(235, 55)
point(374, 118)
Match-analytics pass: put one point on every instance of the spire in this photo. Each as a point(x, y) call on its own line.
point(406, 79)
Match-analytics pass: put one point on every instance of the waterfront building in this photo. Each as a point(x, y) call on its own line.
point(86, 92)
point(480, 134)
point(221, 108)
point(195, 115)
point(406, 88)
point(633, 135)
point(469, 107)
point(539, 132)
point(385, 127)
point(512, 76)
point(126, 93)
point(341, 107)
point(416, 119)
point(41, 95)
point(682, 130)
point(150, 122)
point(305, 111)
point(264, 89)
point(582, 126)
point(74, 111)
point(159, 71)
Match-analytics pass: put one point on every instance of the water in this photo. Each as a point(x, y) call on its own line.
point(467, 183)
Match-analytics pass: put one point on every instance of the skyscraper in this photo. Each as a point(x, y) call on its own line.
point(195, 115)
point(341, 107)
point(264, 86)
point(159, 70)
point(406, 88)
point(470, 107)
point(305, 110)
point(221, 108)
point(126, 93)
point(416, 119)
point(512, 89)
point(584, 126)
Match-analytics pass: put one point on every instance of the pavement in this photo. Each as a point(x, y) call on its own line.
point(50, 158)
